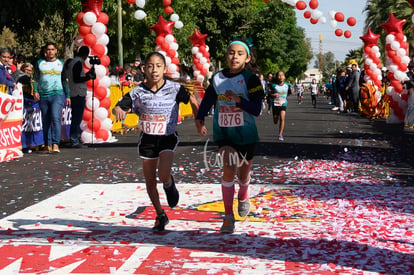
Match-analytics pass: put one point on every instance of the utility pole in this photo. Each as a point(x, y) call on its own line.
point(120, 47)
point(320, 56)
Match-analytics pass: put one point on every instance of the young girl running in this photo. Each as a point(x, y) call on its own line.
point(157, 102)
point(237, 95)
point(279, 95)
point(299, 91)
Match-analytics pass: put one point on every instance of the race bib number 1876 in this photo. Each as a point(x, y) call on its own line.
point(230, 116)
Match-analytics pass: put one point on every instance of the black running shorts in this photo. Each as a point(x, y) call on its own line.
point(150, 146)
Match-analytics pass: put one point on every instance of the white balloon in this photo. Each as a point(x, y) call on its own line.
point(207, 48)
point(377, 71)
point(412, 18)
point(375, 49)
point(322, 20)
point(405, 59)
point(199, 55)
point(389, 38)
point(316, 14)
point(399, 75)
point(103, 39)
point(79, 40)
point(393, 68)
point(101, 113)
point(379, 77)
point(174, 17)
point(163, 53)
point(176, 75)
point(92, 103)
point(100, 71)
point(368, 61)
point(178, 24)
point(84, 125)
point(366, 78)
point(194, 50)
point(106, 124)
point(168, 60)
point(157, 48)
point(87, 136)
point(378, 54)
point(332, 14)
point(390, 90)
point(140, 3)
point(89, 18)
point(174, 46)
point(105, 81)
point(140, 14)
point(372, 66)
point(203, 60)
point(333, 24)
point(169, 38)
point(401, 52)
point(395, 45)
point(200, 78)
point(172, 68)
point(98, 29)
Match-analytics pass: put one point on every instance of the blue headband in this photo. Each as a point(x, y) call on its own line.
point(240, 43)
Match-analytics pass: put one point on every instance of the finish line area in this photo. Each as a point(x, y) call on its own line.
point(106, 229)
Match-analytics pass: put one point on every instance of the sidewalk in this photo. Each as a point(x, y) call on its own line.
point(336, 197)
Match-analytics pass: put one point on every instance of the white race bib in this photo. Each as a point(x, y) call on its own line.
point(230, 116)
point(153, 124)
point(279, 101)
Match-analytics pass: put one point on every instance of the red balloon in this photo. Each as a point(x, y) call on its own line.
point(131, 2)
point(105, 103)
point(307, 14)
point(87, 114)
point(100, 92)
point(171, 53)
point(98, 50)
point(94, 124)
point(175, 60)
point(338, 32)
point(314, 21)
point(79, 18)
point(165, 46)
point(163, 27)
point(103, 18)
point(102, 134)
point(351, 21)
point(84, 30)
point(301, 5)
point(166, 2)
point(313, 4)
point(396, 60)
point(89, 40)
point(339, 16)
point(168, 10)
point(368, 50)
point(89, 83)
point(391, 54)
point(105, 60)
point(347, 34)
point(159, 40)
point(402, 67)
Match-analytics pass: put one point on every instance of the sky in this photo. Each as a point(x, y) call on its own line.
point(339, 46)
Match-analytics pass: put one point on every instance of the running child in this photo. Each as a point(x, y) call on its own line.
point(157, 103)
point(279, 97)
point(314, 90)
point(237, 95)
point(299, 91)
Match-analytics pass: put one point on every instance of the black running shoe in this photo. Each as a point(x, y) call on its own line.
point(160, 222)
point(172, 194)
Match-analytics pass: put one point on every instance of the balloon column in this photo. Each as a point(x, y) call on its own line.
point(397, 62)
point(201, 55)
point(372, 61)
point(167, 45)
point(96, 124)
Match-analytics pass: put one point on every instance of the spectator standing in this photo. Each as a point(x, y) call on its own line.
point(77, 90)
point(5, 73)
point(49, 84)
point(352, 87)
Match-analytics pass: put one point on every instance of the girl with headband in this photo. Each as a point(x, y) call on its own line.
point(237, 95)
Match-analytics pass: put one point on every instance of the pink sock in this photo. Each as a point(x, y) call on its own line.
point(227, 189)
point(243, 191)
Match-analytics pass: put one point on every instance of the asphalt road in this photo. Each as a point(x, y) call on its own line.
point(320, 147)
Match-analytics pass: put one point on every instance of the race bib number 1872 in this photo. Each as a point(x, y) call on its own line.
point(153, 124)
point(230, 116)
